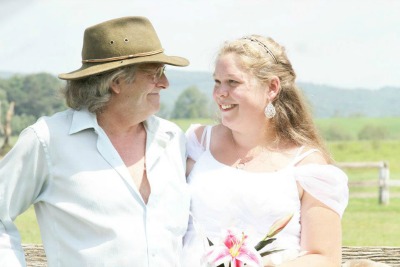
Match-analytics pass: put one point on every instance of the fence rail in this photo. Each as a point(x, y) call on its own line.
point(383, 178)
point(35, 256)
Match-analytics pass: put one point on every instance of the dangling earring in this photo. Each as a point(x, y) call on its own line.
point(269, 111)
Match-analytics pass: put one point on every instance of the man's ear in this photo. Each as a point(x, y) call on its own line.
point(116, 86)
point(274, 88)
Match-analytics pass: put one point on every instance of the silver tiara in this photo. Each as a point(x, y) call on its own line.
point(263, 45)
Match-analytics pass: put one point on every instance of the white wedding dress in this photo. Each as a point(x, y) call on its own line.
point(224, 197)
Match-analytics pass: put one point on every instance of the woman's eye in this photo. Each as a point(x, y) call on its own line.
point(232, 82)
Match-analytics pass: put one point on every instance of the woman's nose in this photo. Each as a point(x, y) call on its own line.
point(221, 91)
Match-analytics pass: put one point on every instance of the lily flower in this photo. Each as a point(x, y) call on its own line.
point(278, 225)
point(234, 250)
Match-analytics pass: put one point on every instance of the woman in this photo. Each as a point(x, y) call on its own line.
point(263, 161)
point(106, 176)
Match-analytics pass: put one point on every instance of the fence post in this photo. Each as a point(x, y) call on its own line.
point(384, 184)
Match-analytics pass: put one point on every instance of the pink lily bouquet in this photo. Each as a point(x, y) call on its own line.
point(235, 251)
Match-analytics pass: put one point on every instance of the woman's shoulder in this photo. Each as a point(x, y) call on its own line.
point(320, 171)
point(198, 132)
point(196, 136)
point(195, 131)
point(310, 161)
point(325, 182)
point(309, 155)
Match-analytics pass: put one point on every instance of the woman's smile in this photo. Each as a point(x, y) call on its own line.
point(227, 107)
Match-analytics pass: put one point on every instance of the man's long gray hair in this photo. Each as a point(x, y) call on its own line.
point(94, 91)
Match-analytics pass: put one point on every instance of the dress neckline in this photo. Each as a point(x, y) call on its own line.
point(287, 167)
point(205, 142)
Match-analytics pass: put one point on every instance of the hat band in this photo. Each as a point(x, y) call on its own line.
point(109, 59)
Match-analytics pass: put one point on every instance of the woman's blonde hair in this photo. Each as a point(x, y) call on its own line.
point(264, 58)
point(94, 91)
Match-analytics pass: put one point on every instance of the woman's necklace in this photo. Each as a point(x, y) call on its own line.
point(243, 160)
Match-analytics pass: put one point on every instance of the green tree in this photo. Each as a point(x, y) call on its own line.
point(335, 133)
point(372, 132)
point(35, 94)
point(20, 122)
point(164, 111)
point(3, 109)
point(191, 103)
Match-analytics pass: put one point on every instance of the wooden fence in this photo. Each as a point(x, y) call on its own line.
point(35, 256)
point(383, 177)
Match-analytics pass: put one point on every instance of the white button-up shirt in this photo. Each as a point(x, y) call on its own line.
point(90, 212)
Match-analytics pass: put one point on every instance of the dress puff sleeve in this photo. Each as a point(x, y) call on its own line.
point(327, 183)
point(194, 148)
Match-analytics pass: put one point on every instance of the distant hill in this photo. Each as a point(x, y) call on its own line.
point(326, 101)
point(329, 101)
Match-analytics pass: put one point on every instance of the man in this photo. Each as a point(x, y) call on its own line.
point(106, 177)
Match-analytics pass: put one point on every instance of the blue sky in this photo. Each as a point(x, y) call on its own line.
point(345, 43)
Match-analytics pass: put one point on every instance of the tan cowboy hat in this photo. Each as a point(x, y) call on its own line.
point(120, 42)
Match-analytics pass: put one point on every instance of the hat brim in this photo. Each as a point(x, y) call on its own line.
point(89, 69)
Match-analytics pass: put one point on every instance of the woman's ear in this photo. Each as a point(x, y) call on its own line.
point(274, 88)
point(116, 86)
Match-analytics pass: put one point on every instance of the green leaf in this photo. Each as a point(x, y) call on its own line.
point(270, 252)
point(263, 243)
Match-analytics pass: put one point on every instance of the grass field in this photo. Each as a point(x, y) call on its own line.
point(353, 125)
point(365, 222)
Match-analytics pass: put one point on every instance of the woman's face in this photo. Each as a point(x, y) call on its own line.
point(142, 96)
point(239, 96)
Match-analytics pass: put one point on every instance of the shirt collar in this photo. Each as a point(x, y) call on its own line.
point(154, 127)
point(82, 120)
